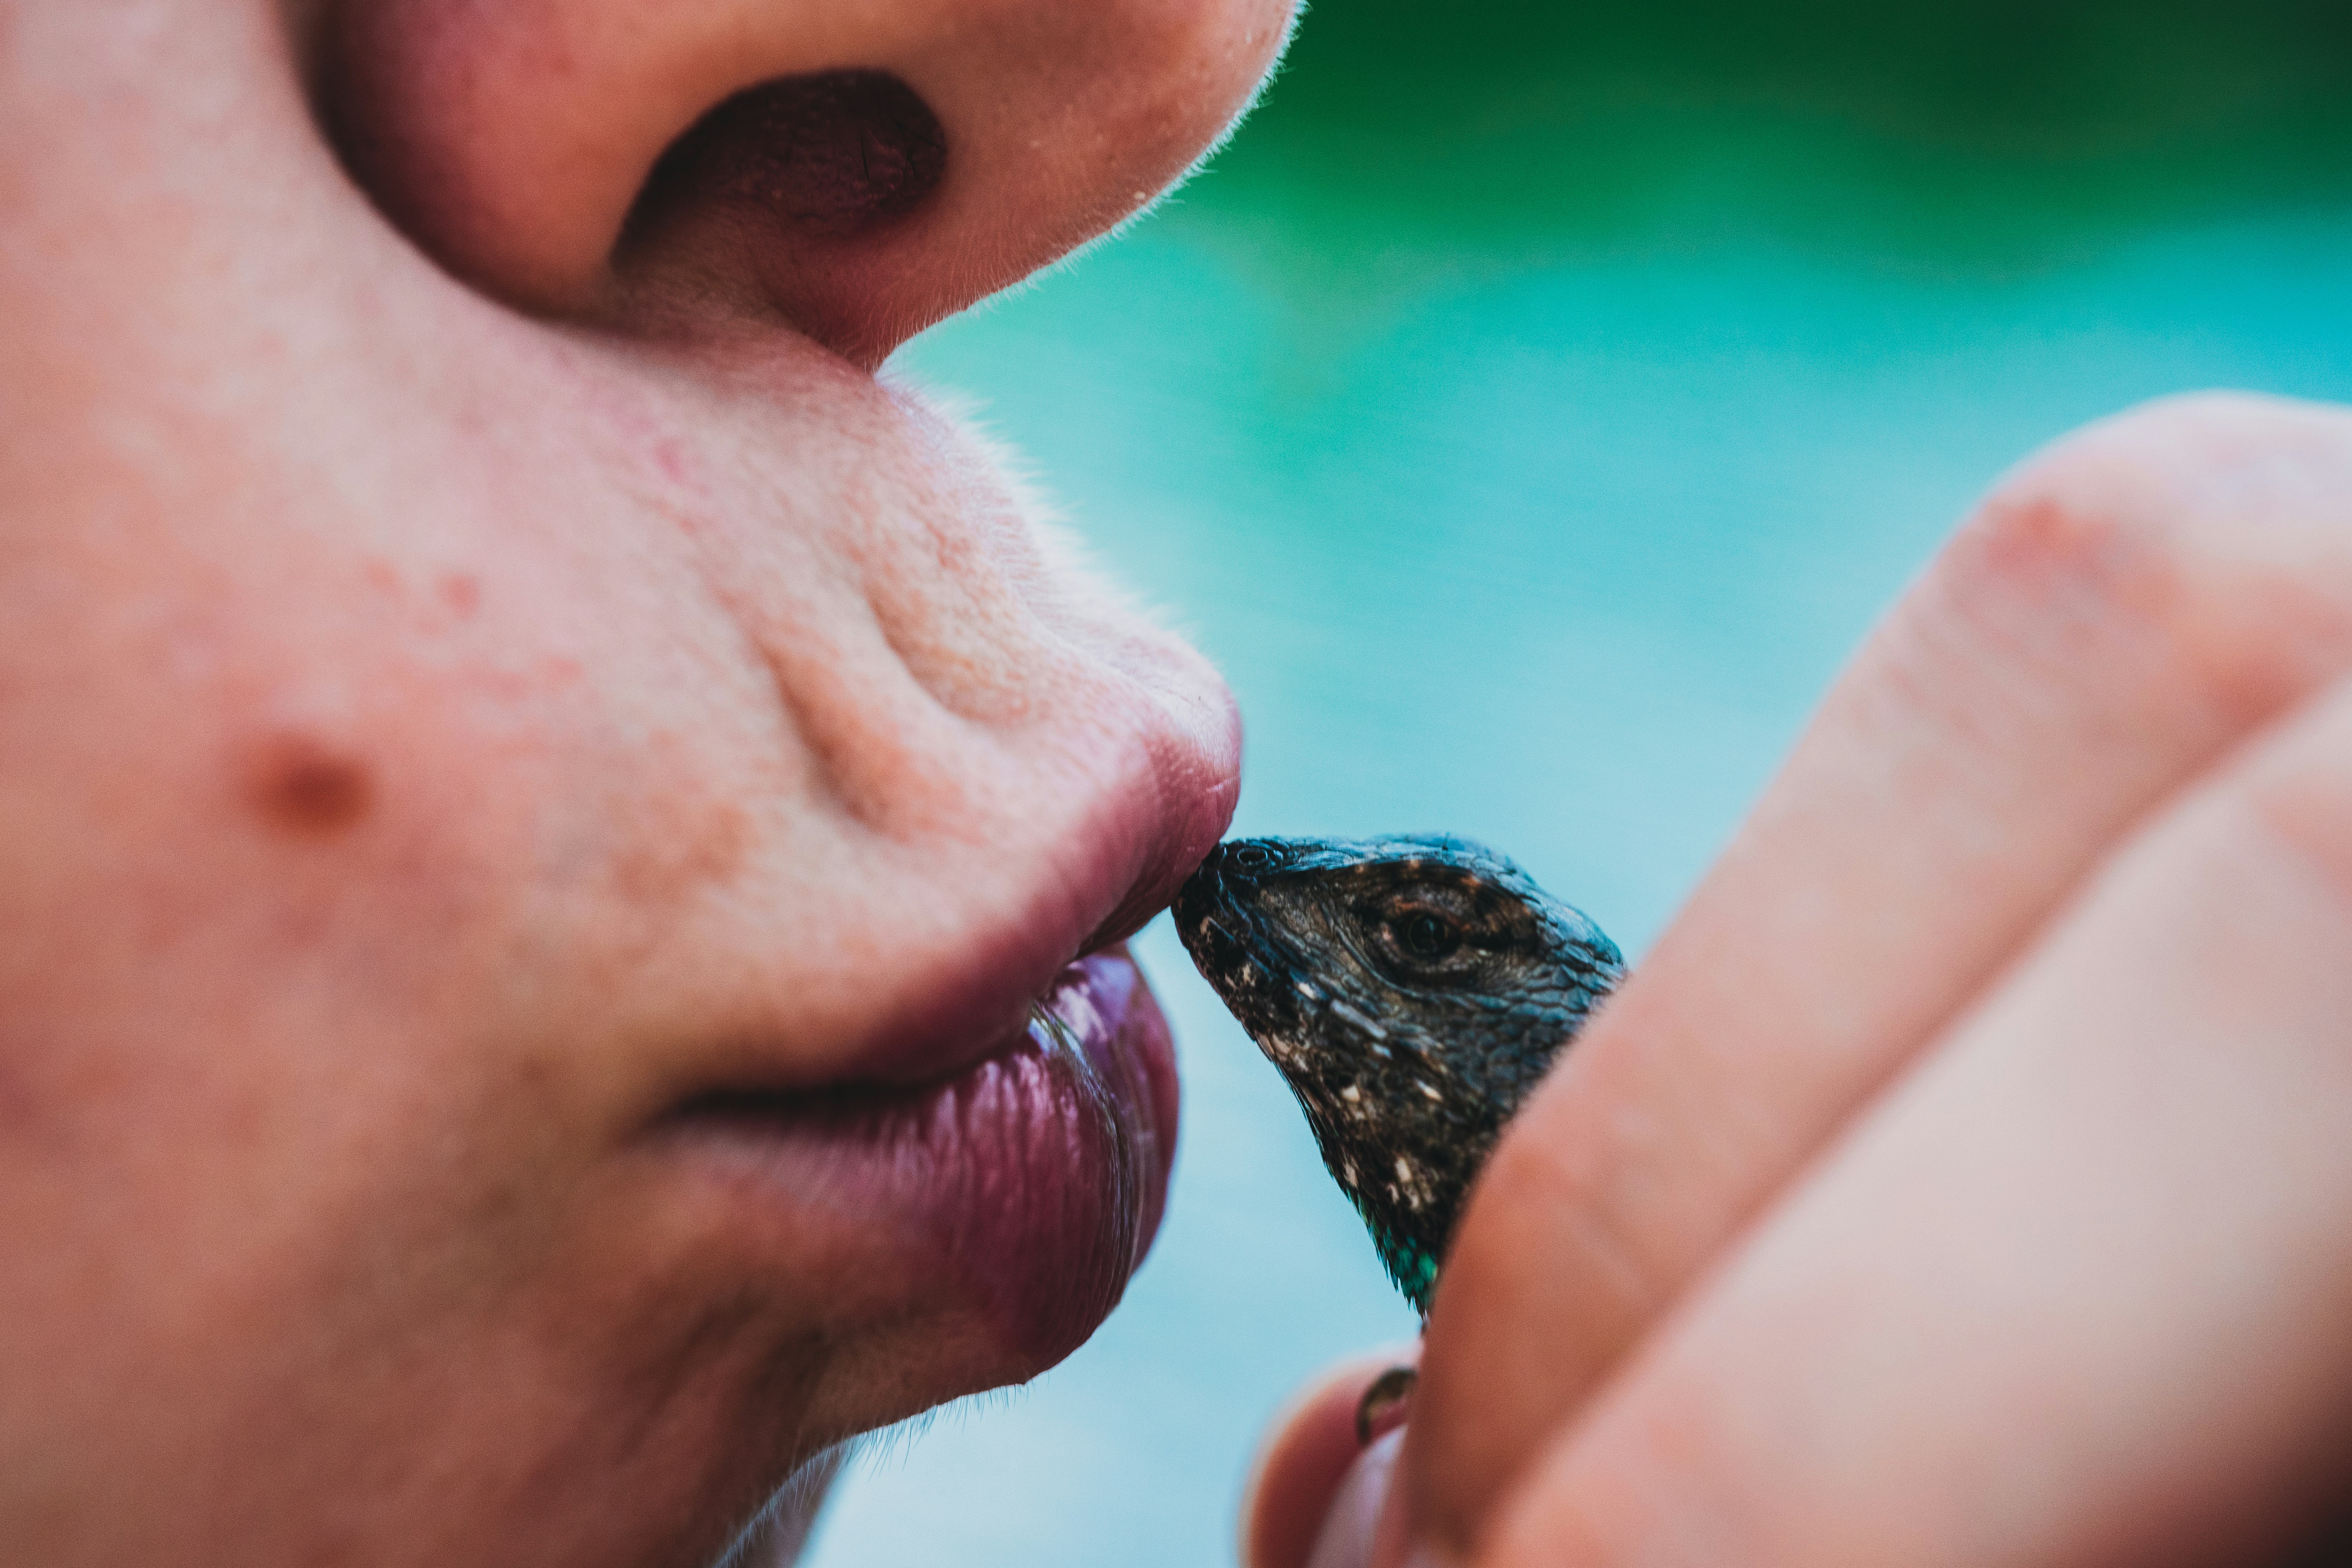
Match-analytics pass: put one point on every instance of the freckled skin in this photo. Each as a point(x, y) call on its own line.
point(1412, 991)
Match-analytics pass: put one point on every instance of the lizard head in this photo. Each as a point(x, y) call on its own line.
point(1430, 968)
point(1412, 991)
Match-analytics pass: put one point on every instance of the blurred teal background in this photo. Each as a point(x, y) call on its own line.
point(1528, 410)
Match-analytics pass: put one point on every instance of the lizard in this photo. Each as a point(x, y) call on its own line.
point(1412, 991)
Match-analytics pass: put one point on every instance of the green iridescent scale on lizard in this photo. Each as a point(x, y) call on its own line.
point(1411, 1264)
point(1412, 992)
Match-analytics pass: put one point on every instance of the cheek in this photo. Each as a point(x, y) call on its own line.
point(296, 1083)
point(289, 814)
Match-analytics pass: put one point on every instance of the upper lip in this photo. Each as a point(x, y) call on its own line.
point(951, 849)
point(950, 1004)
point(1114, 873)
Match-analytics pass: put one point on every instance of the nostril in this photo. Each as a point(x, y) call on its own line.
point(828, 155)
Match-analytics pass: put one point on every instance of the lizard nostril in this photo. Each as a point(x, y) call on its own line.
point(1253, 858)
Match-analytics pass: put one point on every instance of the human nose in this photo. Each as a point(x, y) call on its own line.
point(853, 168)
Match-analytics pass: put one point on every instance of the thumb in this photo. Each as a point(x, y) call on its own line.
point(1314, 1499)
point(1353, 1524)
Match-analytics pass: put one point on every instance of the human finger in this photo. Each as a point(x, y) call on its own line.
point(1309, 1449)
point(2079, 1289)
point(2121, 611)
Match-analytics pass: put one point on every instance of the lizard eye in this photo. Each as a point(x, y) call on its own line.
point(1426, 935)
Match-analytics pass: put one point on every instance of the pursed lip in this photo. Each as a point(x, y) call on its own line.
point(1029, 1183)
point(932, 1102)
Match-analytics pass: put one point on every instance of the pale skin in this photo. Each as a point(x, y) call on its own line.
point(469, 681)
point(464, 696)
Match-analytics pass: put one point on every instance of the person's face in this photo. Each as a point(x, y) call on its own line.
point(536, 793)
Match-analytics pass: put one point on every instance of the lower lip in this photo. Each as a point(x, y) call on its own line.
point(1037, 1175)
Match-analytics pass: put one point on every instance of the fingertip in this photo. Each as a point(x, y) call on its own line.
point(1301, 1467)
point(1359, 1529)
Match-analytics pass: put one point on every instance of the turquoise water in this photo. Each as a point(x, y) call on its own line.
point(1546, 535)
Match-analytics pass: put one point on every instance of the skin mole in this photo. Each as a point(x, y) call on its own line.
point(302, 787)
